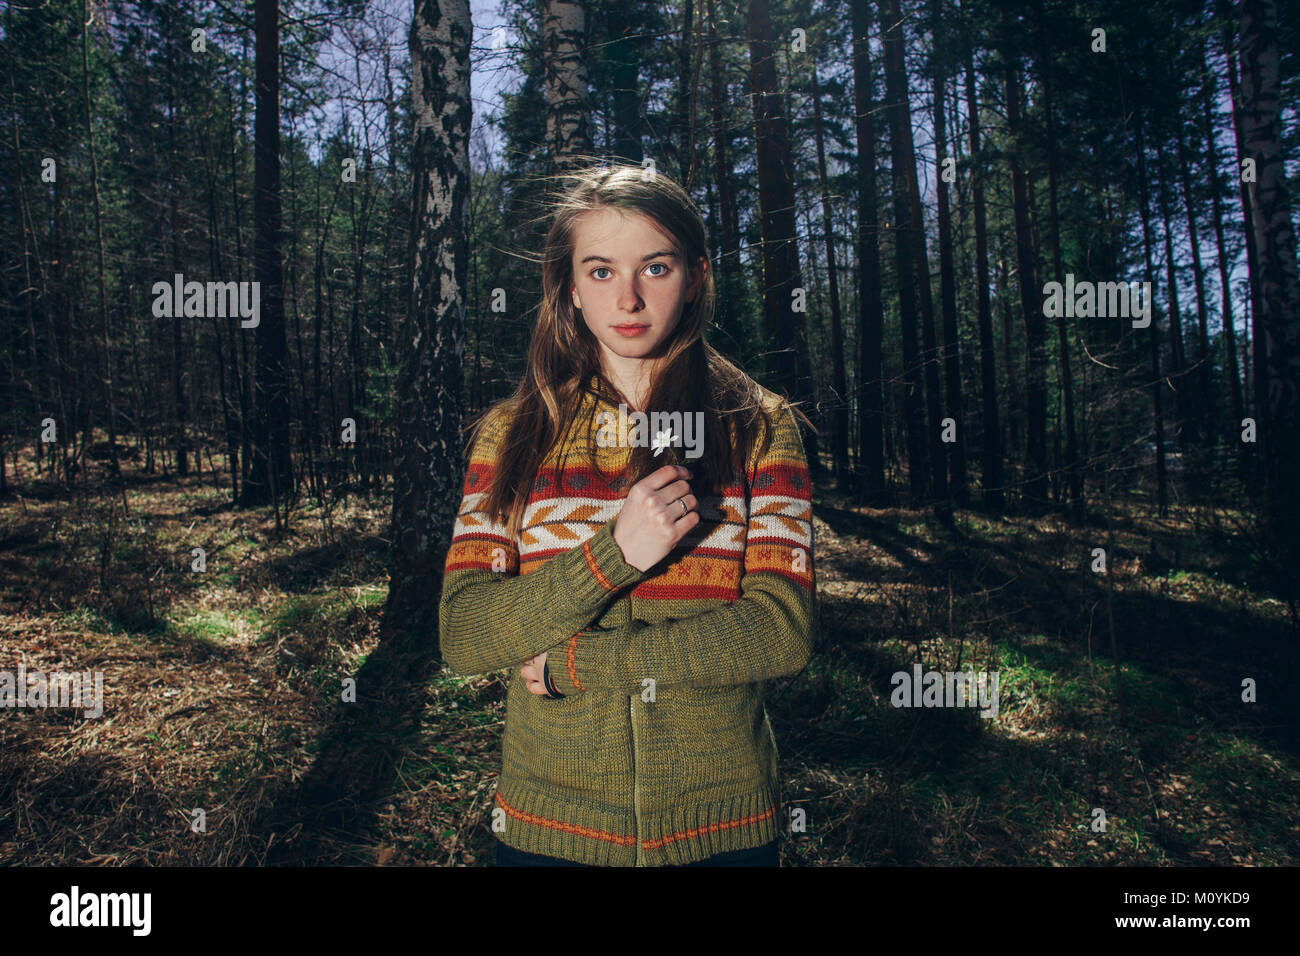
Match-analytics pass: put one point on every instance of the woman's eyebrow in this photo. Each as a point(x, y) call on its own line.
point(653, 255)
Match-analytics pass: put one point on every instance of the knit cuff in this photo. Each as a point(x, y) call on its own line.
point(604, 560)
point(561, 660)
point(592, 658)
point(581, 662)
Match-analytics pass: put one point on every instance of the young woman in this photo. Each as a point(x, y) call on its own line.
point(641, 579)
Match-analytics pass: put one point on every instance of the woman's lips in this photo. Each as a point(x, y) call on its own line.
point(630, 330)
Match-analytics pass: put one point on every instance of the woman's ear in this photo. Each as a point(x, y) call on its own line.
point(693, 289)
point(573, 294)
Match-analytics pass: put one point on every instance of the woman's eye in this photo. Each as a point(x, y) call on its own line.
point(599, 269)
point(659, 265)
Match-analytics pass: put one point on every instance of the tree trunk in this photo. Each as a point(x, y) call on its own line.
point(871, 308)
point(568, 116)
point(624, 61)
point(686, 97)
point(239, 356)
point(428, 402)
point(903, 157)
point(1279, 284)
point(991, 480)
point(1035, 483)
point(783, 326)
point(1014, 402)
point(1208, 92)
point(1201, 402)
point(1179, 364)
point(731, 287)
point(839, 380)
point(1072, 467)
point(1258, 374)
point(271, 474)
point(38, 377)
point(1157, 380)
point(947, 277)
point(110, 398)
point(177, 342)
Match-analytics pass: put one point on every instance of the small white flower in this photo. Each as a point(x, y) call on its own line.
point(662, 440)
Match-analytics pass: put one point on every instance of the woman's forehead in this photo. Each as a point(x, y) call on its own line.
point(610, 229)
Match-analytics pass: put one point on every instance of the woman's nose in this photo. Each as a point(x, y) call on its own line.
point(629, 299)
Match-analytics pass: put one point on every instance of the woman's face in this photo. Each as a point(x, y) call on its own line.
point(629, 281)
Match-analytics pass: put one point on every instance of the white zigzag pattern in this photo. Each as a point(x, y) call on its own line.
point(722, 536)
point(545, 536)
point(772, 525)
point(470, 509)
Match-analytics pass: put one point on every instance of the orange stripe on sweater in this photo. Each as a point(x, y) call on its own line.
point(595, 568)
point(622, 840)
point(711, 828)
point(567, 827)
point(573, 672)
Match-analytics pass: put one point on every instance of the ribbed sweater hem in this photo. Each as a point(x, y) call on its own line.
point(537, 822)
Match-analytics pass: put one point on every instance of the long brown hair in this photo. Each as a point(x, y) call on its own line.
point(564, 356)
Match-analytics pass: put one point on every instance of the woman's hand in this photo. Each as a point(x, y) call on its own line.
point(653, 518)
point(531, 671)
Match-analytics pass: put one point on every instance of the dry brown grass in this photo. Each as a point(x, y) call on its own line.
point(222, 692)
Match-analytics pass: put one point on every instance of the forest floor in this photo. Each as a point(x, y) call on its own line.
point(222, 693)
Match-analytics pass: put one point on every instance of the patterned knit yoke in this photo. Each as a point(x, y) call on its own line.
point(660, 751)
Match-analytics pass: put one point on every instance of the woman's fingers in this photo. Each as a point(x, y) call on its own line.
point(663, 476)
point(531, 672)
point(670, 493)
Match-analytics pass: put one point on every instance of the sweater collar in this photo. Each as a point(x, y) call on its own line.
point(603, 400)
point(613, 456)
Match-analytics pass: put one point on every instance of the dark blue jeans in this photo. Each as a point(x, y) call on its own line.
point(758, 856)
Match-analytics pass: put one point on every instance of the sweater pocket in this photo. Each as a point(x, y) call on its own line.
point(557, 745)
point(723, 745)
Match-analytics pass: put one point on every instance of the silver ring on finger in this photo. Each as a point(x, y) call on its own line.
point(685, 510)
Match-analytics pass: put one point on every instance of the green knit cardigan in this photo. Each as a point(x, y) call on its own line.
point(660, 751)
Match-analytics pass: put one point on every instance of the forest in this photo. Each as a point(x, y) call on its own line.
point(1029, 265)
